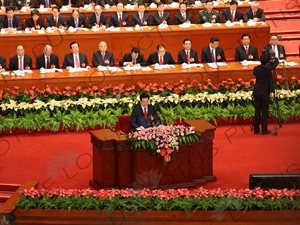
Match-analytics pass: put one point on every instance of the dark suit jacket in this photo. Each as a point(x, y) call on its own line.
point(136, 19)
point(259, 14)
point(206, 55)
point(15, 22)
point(3, 62)
point(87, 2)
point(138, 119)
point(127, 58)
point(40, 61)
point(264, 82)
point(114, 20)
point(109, 2)
point(71, 22)
point(43, 2)
point(69, 60)
point(92, 20)
point(240, 53)
point(29, 23)
point(179, 20)
point(226, 15)
point(51, 23)
point(74, 3)
point(156, 20)
point(182, 56)
point(98, 60)
point(280, 50)
point(7, 3)
point(153, 58)
point(14, 62)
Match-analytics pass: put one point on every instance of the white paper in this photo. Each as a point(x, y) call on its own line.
point(213, 65)
point(128, 29)
point(109, 68)
point(291, 64)
point(147, 68)
point(222, 64)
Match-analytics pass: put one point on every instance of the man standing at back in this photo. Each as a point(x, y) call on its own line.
point(103, 57)
point(47, 60)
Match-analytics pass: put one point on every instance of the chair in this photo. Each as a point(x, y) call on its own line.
point(123, 124)
point(299, 50)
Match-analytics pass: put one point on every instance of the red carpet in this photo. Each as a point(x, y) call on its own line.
point(64, 160)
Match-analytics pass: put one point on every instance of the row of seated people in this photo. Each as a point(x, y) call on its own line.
point(211, 53)
point(77, 3)
point(140, 18)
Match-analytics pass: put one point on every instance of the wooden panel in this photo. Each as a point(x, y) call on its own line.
point(233, 70)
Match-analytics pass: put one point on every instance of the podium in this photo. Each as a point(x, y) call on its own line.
point(116, 165)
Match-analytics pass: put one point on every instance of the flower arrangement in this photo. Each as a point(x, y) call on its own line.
point(170, 199)
point(83, 108)
point(163, 139)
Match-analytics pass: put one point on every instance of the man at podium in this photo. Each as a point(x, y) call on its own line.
point(143, 114)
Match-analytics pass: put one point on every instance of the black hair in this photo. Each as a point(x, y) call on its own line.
point(160, 46)
point(135, 50)
point(144, 95)
point(72, 43)
point(245, 35)
point(213, 39)
point(264, 59)
point(187, 39)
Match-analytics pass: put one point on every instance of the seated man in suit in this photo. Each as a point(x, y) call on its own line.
point(23, 3)
point(45, 3)
point(187, 54)
point(10, 21)
point(34, 23)
point(161, 56)
point(97, 19)
point(89, 2)
point(5, 3)
point(56, 20)
point(47, 60)
point(103, 57)
point(133, 58)
point(160, 16)
point(75, 59)
point(109, 2)
point(119, 19)
point(70, 3)
point(20, 61)
point(2, 64)
point(212, 52)
point(141, 18)
point(278, 50)
point(232, 13)
point(76, 20)
point(254, 13)
point(144, 115)
point(182, 16)
point(209, 15)
point(246, 51)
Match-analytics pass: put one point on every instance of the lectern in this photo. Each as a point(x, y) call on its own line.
point(116, 165)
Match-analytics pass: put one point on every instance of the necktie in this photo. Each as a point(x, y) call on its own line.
point(34, 23)
point(213, 56)
point(142, 18)
point(77, 65)
point(275, 52)
point(145, 112)
point(56, 22)
point(20, 63)
point(232, 16)
point(187, 57)
point(161, 60)
point(10, 23)
point(184, 18)
point(103, 54)
point(76, 24)
point(246, 50)
point(98, 19)
point(47, 3)
point(254, 14)
point(48, 62)
point(120, 20)
point(161, 15)
point(69, 2)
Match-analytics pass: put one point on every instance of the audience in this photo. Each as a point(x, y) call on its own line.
point(232, 14)
point(10, 21)
point(161, 56)
point(20, 61)
point(34, 23)
point(141, 18)
point(213, 52)
point(119, 19)
point(75, 59)
point(160, 16)
point(133, 58)
point(103, 57)
point(278, 49)
point(97, 19)
point(56, 20)
point(182, 16)
point(187, 54)
point(47, 60)
point(246, 51)
point(254, 13)
point(209, 15)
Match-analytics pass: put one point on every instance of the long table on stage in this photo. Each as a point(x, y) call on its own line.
point(233, 70)
point(115, 165)
point(194, 10)
point(120, 42)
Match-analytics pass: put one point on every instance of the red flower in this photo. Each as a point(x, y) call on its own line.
point(163, 152)
point(167, 158)
point(169, 150)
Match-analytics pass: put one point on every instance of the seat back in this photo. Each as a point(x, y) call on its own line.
point(123, 124)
